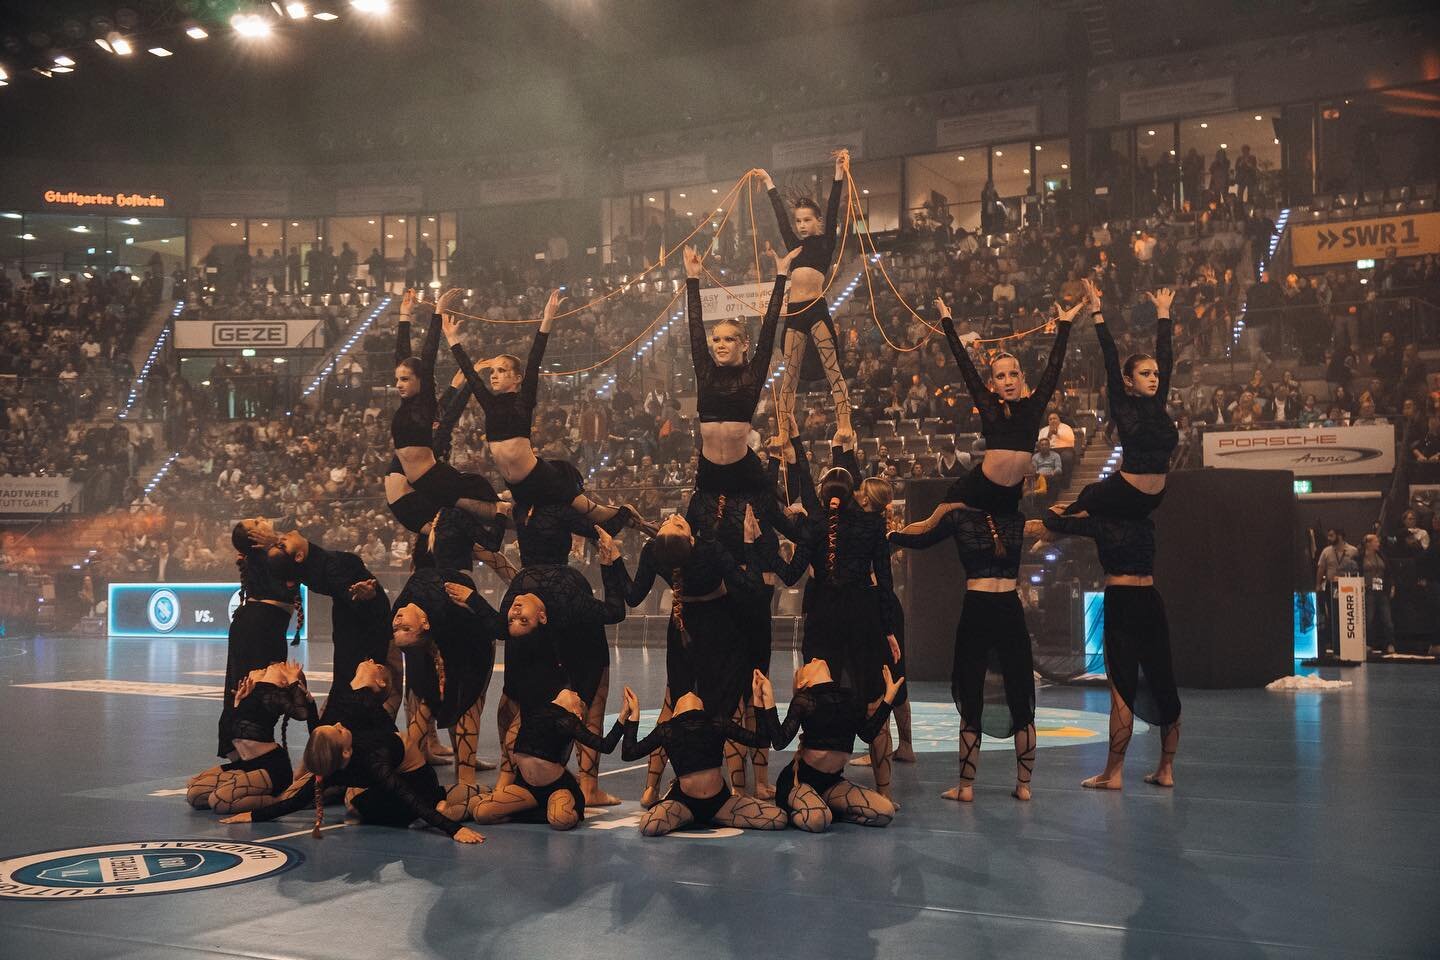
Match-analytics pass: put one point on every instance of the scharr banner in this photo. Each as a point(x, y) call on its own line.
point(1409, 235)
point(196, 611)
point(1305, 452)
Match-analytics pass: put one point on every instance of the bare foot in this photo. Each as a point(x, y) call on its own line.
point(763, 791)
point(861, 761)
point(1021, 792)
point(1102, 782)
point(1161, 778)
point(595, 797)
point(904, 753)
point(649, 798)
point(963, 794)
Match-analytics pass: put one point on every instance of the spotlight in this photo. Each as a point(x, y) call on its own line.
point(161, 52)
point(326, 15)
point(104, 44)
point(62, 70)
point(64, 61)
point(374, 7)
point(3, 74)
point(196, 32)
point(120, 45)
point(132, 222)
point(250, 25)
point(296, 11)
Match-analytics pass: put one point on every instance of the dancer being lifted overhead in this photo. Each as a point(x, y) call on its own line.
point(508, 399)
point(1010, 417)
point(807, 322)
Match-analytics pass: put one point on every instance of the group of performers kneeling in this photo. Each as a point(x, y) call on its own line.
point(720, 559)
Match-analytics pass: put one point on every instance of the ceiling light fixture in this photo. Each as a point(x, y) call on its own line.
point(196, 32)
point(161, 52)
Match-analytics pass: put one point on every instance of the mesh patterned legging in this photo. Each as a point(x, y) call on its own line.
point(790, 377)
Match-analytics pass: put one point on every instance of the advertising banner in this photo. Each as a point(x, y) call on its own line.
point(665, 172)
point(192, 611)
point(815, 151)
point(1411, 235)
point(245, 334)
point(1178, 99)
point(35, 494)
point(742, 300)
point(380, 198)
point(994, 126)
point(1350, 599)
point(1306, 452)
point(539, 186)
point(256, 202)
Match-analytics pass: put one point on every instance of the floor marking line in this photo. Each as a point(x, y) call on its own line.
point(302, 833)
point(197, 948)
point(638, 766)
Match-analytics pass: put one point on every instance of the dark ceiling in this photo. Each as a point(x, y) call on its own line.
point(476, 76)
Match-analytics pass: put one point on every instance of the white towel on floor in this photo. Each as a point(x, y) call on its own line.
point(1298, 682)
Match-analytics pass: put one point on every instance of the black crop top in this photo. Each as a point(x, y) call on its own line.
point(818, 251)
point(1010, 425)
point(544, 533)
point(261, 584)
point(376, 756)
point(1126, 547)
point(450, 405)
point(831, 716)
point(507, 415)
point(709, 566)
point(975, 540)
point(255, 716)
point(547, 730)
point(731, 394)
point(413, 424)
point(1146, 431)
point(722, 517)
point(693, 740)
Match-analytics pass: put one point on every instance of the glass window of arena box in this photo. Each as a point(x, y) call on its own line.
point(946, 183)
point(1379, 140)
point(879, 183)
point(1223, 142)
point(69, 244)
point(362, 235)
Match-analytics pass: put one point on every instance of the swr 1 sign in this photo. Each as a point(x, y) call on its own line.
point(1408, 236)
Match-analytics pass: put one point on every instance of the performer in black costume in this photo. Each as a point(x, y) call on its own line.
point(812, 788)
point(258, 628)
point(412, 428)
point(359, 608)
point(990, 637)
point(1137, 394)
point(508, 400)
point(1137, 639)
point(851, 611)
point(694, 739)
point(387, 781)
point(544, 788)
point(262, 767)
point(812, 349)
point(704, 650)
point(1009, 418)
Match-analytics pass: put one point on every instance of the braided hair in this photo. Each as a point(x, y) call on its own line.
point(323, 758)
point(319, 806)
point(672, 550)
point(719, 509)
point(995, 535)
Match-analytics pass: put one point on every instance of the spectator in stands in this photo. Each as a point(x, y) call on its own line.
point(1060, 438)
point(1282, 406)
point(1414, 374)
point(950, 462)
point(1048, 467)
point(1427, 448)
point(1379, 591)
point(1366, 416)
point(1417, 538)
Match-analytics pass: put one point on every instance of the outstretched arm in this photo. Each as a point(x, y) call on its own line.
point(1164, 335)
point(832, 209)
point(1045, 389)
point(631, 749)
point(695, 314)
point(979, 393)
point(935, 528)
point(1114, 381)
point(402, 330)
point(765, 344)
point(782, 216)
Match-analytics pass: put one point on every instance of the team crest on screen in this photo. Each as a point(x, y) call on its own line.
point(163, 609)
point(139, 868)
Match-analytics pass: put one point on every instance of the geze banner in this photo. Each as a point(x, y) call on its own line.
point(1307, 452)
point(1414, 235)
point(246, 334)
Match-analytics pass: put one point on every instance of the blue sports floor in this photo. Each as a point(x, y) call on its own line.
point(1301, 825)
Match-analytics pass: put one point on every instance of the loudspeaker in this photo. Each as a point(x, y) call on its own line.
point(932, 589)
point(1225, 565)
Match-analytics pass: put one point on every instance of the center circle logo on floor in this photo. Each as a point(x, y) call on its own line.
point(232, 606)
point(140, 868)
point(163, 609)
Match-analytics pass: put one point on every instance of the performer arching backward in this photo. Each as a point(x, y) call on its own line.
point(1137, 639)
point(386, 780)
point(261, 769)
point(449, 648)
point(991, 636)
point(258, 628)
point(1010, 417)
point(508, 400)
point(704, 652)
point(807, 322)
point(554, 641)
point(1137, 392)
point(694, 738)
point(359, 608)
point(412, 428)
point(812, 788)
point(851, 611)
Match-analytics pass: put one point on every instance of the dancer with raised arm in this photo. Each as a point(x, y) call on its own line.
point(386, 779)
point(1137, 639)
point(812, 788)
point(508, 399)
point(1010, 417)
point(851, 611)
point(694, 738)
point(812, 349)
point(990, 637)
